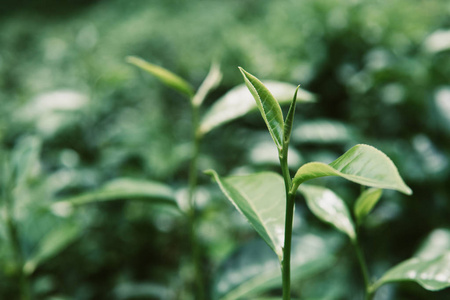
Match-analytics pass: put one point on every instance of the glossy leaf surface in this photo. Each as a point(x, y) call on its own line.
point(329, 207)
point(170, 79)
point(53, 243)
point(267, 105)
point(238, 101)
point(365, 202)
point(123, 188)
point(436, 244)
point(261, 199)
point(362, 164)
point(253, 269)
point(432, 274)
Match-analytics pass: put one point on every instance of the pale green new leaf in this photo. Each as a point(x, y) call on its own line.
point(123, 189)
point(211, 81)
point(362, 164)
point(366, 202)
point(432, 274)
point(170, 79)
point(238, 101)
point(253, 269)
point(329, 207)
point(268, 107)
point(54, 242)
point(261, 199)
point(290, 119)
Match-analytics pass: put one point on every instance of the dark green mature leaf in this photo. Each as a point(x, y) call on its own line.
point(53, 243)
point(167, 77)
point(365, 203)
point(123, 188)
point(432, 274)
point(362, 164)
point(267, 105)
point(238, 101)
point(329, 207)
point(261, 199)
point(253, 269)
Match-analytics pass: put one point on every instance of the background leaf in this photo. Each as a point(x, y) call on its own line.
point(170, 79)
point(432, 274)
point(365, 202)
point(253, 269)
point(211, 81)
point(267, 105)
point(238, 101)
point(123, 188)
point(436, 244)
point(53, 243)
point(329, 207)
point(362, 164)
point(261, 199)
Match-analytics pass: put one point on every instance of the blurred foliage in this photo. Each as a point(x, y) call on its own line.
point(380, 70)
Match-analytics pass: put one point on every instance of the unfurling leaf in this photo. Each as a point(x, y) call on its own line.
point(365, 203)
point(267, 105)
point(170, 79)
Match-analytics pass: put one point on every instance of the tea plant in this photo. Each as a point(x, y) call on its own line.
point(269, 207)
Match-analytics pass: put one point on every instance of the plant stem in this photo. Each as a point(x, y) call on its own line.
point(364, 269)
point(290, 197)
point(193, 175)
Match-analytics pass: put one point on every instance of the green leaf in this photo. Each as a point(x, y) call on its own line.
point(261, 199)
point(323, 131)
point(119, 189)
point(362, 164)
point(238, 101)
point(432, 274)
point(328, 207)
point(211, 81)
point(269, 108)
point(253, 269)
point(52, 244)
point(365, 203)
point(436, 244)
point(290, 119)
point(170, 79)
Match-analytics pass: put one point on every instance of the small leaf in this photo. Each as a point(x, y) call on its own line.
point(123, 188)
point(211, 81)
point(53, 243)
point(261, 199)
point(431, 274)
point(366, 202)
point(170, 79)
point(290, 119)
point(253, 269)
point(269, 108)
point(328, 207)
point(362, 164)
point(238, 101)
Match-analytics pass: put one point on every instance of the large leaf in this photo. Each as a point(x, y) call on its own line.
point(253, 269)
point(365, 203)
point(362, 164)
point(238, 101)
point(328, 207)
point(261, 199)
point(122, 188)
point(167, 77)
point(54, 242)
point(432, 274)
point(268, 107)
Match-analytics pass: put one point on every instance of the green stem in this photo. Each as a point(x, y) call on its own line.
point(364, 269)
point(290, 197)
point(193, 178)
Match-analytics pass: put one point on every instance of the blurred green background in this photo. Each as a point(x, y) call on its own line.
point(380, 71)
